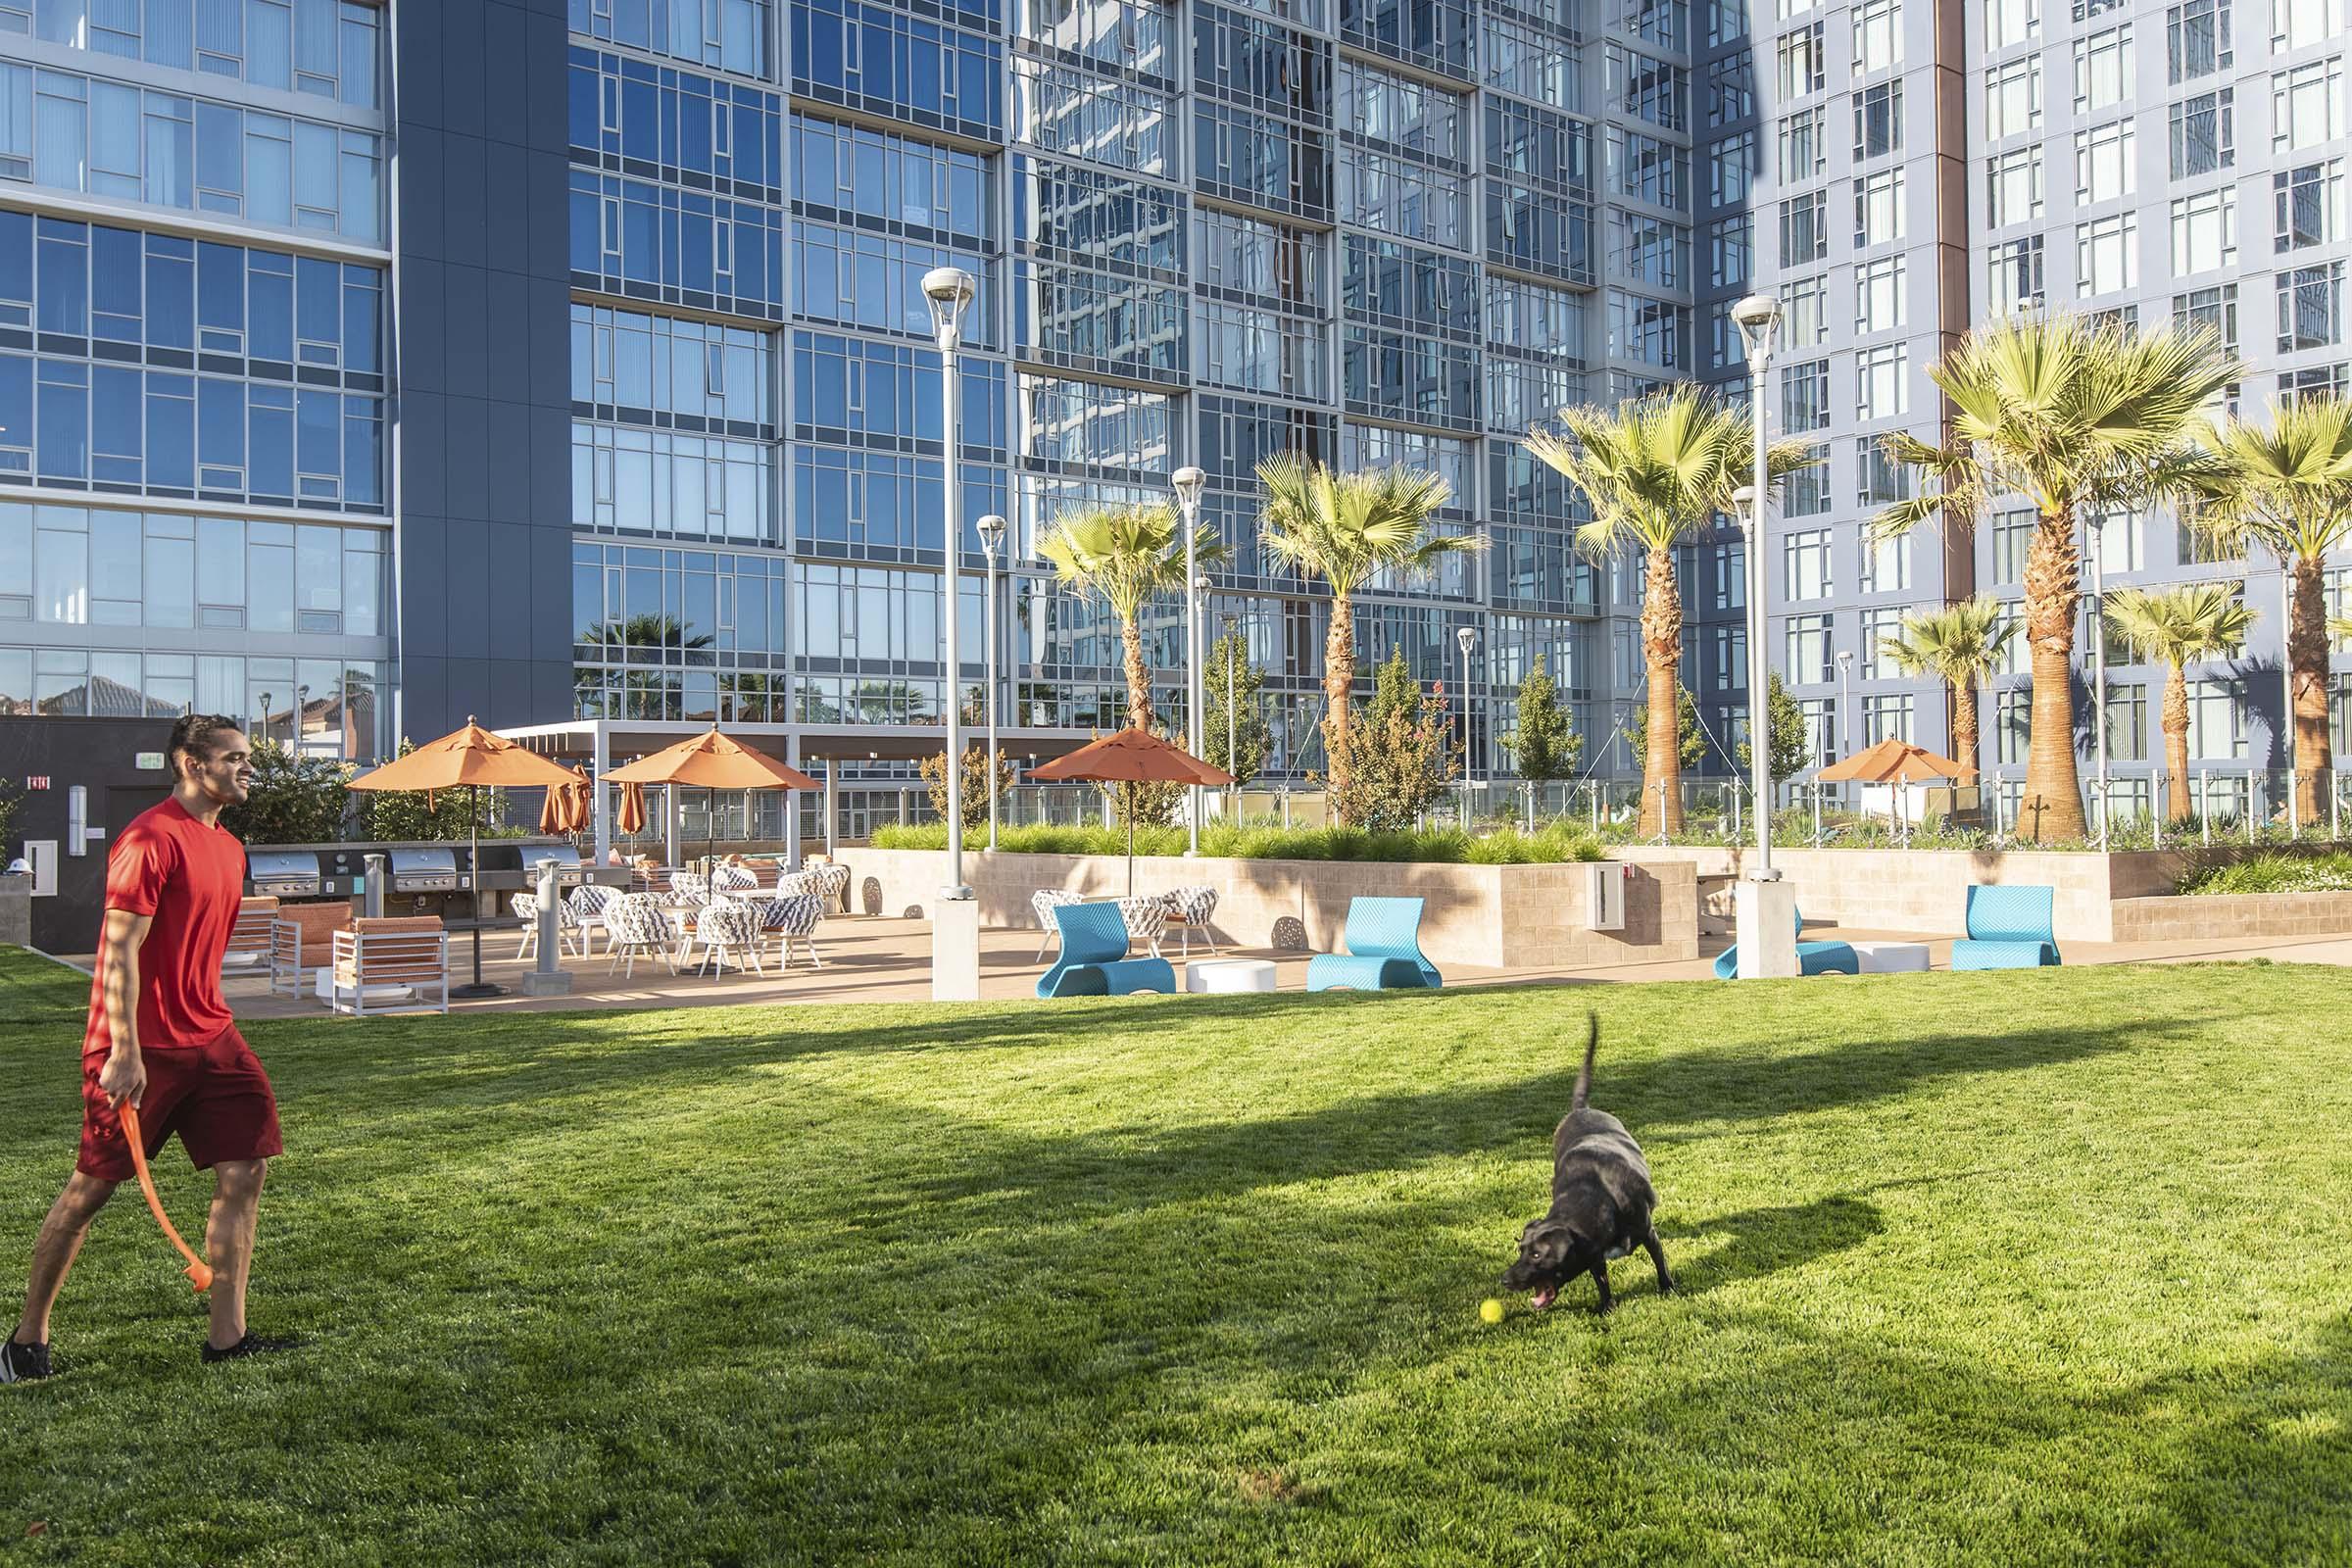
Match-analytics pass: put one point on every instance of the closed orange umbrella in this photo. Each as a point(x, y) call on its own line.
point(628, 819)
point(579, 803)
point(472, 758)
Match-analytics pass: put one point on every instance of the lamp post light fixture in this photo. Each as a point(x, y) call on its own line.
point(948, 290)
point(992, 535)
point(1467, 638)
point(1845, 725)
point(1187, 482)
point(1758, 318)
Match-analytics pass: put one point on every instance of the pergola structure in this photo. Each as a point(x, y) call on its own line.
point(604, 743)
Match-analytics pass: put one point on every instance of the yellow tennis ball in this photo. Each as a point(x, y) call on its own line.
point(1490, 1310)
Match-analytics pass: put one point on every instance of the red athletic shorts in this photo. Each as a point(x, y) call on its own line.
point(215, 1096)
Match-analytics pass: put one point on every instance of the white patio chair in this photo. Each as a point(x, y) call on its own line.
point(635, 925)
point(1147, 917)
point(793, 918)
point(1044, 900)
point(588, 903)
point(1189, 910)
point(526, 907)
point(725, 930)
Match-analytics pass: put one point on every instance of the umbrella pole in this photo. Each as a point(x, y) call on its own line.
point(473, 871)
point(1130, 788)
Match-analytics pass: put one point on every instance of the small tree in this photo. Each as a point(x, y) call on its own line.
point(2178, 628)
point(1399, 755)
point(1788, 748)
point(1229, 673)
point(1544, 745)
point(294, 799)
point(975, 783)
point(1693, 746)
point(11, 800)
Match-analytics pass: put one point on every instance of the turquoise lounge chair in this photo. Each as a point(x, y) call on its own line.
point(1384, 951)
point(1094, 959)
point(1812, 958)
point(2008, 928)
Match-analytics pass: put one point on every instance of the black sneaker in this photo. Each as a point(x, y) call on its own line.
point(251, 1344)
point(23, 1364)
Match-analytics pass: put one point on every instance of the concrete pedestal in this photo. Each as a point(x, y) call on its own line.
point(954, 949)
point(1766, 912)
point(548, 977)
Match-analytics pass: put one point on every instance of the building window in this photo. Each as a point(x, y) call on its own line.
point(2107, 255)
point(1879, 208)
point(2012, 723)
point(2103, 162)
point(2013, 187)
point(1878, 479)
point(2308, 204)
point(2307, 105)
point(1731, 576)
point(2012, 538)
point(1805, 564)
point(1878, 294)
point(2205, 232)
point(2311, 307)
point(1805, 228)
point(1731, 89)
point(1878, 625)
point(1811, 652)
point(2014, 276)
point(1534, 63)
point(1803, 61)
point(1878, 119)
point(1805, 491)
point(1727, 23)
point(1730, 246)
point(1886, 561)
point(1881, 388)
point(2216, 722)
point(2102, 69)
point(2296, 23)
point(1877, 36)
point(1647, 89)
point(1803, 142)
point(2013, 98)
point(2197, 39)
point(2011, 21)
point(2212, 310)
point(1887, 715)
point(2204, 133)
point(1805, 396)
point(1732, 170)
point(2312, 381)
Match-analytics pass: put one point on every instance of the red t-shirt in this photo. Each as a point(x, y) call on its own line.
point(189, 878)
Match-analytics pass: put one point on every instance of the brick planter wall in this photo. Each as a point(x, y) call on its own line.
point(2232, 914)
point(1494, 916)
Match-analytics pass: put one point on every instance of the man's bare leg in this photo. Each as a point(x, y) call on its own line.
point(228, 1244)
point(53, 1253)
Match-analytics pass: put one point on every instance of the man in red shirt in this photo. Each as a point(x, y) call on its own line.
point(160, 1036)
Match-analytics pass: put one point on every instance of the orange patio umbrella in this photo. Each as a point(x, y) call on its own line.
point(712, 761)
point(1891, 761)
point(629, 817)
point(469, 759)
point(567, 808)
point(1129, 757)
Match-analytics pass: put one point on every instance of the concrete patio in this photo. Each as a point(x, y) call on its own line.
point(881, 959)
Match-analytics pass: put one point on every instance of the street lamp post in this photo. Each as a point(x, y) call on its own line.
point(1187, 482)
point(1233, 798)
point(1845, 725)
point(992, 534)
point(1758, 318)
point(950, 290)
point(2098, 655)
point(1467, 638)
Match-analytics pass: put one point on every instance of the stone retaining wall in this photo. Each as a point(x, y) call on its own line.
point(2232, 914)
point(1492, 916)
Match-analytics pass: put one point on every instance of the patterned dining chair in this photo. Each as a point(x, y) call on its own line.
point(727, 929)
point(588, 903)
point(1189, 910)
point(1146, 917)
point(634, 926)
point(794, 918)
point(1044, 900)
point(524, 906)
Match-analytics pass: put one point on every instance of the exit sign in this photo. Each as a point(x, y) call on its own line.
point(36, 781)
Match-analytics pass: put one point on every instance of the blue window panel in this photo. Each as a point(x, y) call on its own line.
point(219, 159)
point(16, 402)
point(270, 424)
point(318, 310)
point(221, 427)
point(318, 439)
point(587, 231)
point(62, 420)
point(171, 431)
point(363, 321)
point(15, 269)
point(64, 305)
point(116, 261)
point(221, 297)
point(116, 420)
point(363, 453)
point(171, 293)
point(270, 286)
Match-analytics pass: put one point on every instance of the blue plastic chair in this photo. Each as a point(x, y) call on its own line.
point(1812, 958)
point(2008, 928)
point(1094, 959)
point(1384, 951)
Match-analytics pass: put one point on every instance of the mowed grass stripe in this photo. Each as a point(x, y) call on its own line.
point(2014, 1268)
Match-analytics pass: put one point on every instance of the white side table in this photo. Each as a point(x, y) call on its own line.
point(1228, 976)
point(1891, 958)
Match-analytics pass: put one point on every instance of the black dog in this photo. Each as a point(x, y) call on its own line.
point(1600, 1202)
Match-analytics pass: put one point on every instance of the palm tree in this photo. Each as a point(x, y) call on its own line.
point(1656, 472)
point(1960, 643)
point(2290, 487)
point(1348, 528)
point(2177, 628)
point(1124, 556)
point(2074, 419)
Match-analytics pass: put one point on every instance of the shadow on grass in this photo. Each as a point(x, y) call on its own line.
point(1766, 1240)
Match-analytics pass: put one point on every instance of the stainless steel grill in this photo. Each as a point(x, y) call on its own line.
point(425, 870)
point(282, 873)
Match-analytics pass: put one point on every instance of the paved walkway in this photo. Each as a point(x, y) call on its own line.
point(876, 958)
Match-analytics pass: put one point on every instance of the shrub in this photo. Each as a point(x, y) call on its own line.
point(1557, 842)
point(2330, 871)
point(294, 799)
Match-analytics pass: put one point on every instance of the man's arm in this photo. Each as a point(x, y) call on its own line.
point(124, 1075)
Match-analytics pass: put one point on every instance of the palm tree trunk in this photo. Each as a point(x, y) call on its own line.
point(1964, 728)
point(1662, 652)
point(2307, 659)
point(1139, 675)
point(2052, 804)
point(2177, 807)
point(1338, 683)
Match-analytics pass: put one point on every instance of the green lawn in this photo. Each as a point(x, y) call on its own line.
point(2010, 1268)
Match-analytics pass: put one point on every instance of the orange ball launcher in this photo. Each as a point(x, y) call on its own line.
point(199, 1274)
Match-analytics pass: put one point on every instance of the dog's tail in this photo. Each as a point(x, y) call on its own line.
point(1583, 1078)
